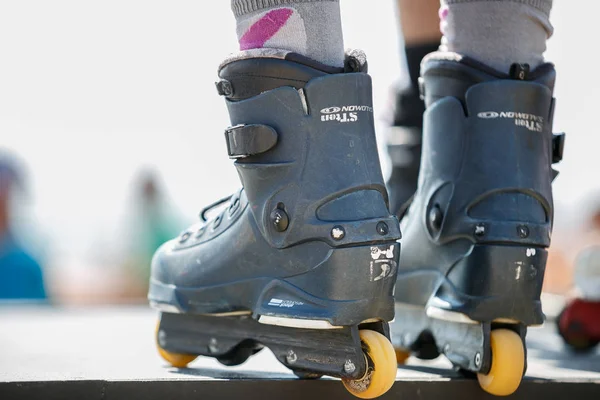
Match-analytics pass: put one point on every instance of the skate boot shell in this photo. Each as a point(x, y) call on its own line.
point(303, 259)
point(476, 233)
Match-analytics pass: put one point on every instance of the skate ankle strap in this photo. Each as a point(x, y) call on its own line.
point(558, 145)
point(249, 140)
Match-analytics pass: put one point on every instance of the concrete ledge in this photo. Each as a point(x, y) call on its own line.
point(108, 353)
point(281, 389)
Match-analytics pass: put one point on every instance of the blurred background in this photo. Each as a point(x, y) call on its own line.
point(111, 134)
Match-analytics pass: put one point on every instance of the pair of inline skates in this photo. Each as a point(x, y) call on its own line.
point(306, 260)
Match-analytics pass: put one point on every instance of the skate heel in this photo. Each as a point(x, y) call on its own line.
point(316, 297)
point(494, 283)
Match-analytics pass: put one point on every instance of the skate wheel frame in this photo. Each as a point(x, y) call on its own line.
point(175, 359)
point(508, 363)
point(381, 367)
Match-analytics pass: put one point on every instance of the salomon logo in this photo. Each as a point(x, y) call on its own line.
point(330, 110)
point(344, 113)
point(488, 114)
point(534, 123)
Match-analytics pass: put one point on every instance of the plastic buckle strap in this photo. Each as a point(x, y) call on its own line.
point(248, 140)
point(558, 145)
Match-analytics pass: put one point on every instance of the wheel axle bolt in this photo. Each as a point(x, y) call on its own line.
point(291, 357)
point(478, 360)
point(349, 367)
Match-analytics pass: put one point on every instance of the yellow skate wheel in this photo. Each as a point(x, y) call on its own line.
point(508, 362)
point(401, 356)
point(381, 367)
point(175, 359)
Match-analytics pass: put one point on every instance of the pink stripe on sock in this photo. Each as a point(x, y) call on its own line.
point(443, 14)
point(265, 28)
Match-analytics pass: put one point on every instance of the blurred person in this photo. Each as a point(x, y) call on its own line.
point(120, 275)
point(579, 322)
point(579, 234)
point(309, 241)
point(151, 223)
point(21, 275)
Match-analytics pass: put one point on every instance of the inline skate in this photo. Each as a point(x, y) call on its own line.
point(475, 235)
point(303, 259)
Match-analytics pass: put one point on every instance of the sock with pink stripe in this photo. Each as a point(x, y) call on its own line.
point(312, 28)
point(497, 32)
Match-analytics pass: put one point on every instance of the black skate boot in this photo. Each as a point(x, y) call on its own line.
point(303, 259)
point(404, 149)
point(476, 233)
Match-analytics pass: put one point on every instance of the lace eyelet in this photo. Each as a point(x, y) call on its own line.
point(217, 222)
point(234, 206)
point(184, 237)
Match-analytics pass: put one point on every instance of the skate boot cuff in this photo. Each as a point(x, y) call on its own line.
point(251, 72)
point(444, 58)
point(355, 59)
point(446, 74)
